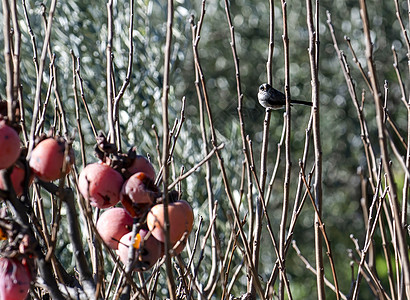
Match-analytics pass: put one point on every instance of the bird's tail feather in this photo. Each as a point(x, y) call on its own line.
point(301, 102)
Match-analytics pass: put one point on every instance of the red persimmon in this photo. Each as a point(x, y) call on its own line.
point(138, 194)
point(100, 184)
point(142, 164)
point(15, 279)
point(113, 224)
point(48, 159)
point(147, 250)
point(17, 178)
point(9, 145)
point(181, 219)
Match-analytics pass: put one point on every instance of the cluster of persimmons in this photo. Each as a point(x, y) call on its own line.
point(122, 186)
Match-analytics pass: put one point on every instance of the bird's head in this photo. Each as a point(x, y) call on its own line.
point(264, 87)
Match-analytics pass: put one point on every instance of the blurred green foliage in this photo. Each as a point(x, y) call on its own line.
point(81, 26)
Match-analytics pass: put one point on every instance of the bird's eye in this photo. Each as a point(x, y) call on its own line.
point(262, 88)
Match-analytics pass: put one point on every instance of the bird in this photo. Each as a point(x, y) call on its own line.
point(271, 98)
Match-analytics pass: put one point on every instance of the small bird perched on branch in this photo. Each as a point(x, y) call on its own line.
point(273, 99)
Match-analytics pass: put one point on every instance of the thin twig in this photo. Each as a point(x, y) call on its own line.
point(77, 110)
point(127, 79)
point(204, 240)
point(321, 227)
point(165, 146)
point(232, 240)
point(42, 119)
point(313, 51)
point(16, 60)
point(32, 37)
point(407, 106)
point(387, 257)
point(8, 59)
point(358, 64)
point(271, 45)
point(39, 81)
point(53, 71)
point(403, 28)
point(109, 70)
point(196, 167)
point(277, 163)
point(313, 270)
point(288, 161)
point(82, 94)
point(280, 259)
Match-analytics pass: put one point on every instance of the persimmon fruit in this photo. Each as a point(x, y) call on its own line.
point(49, 161)
point(100, 184)
point(9, 145)
point(15, 279)
point(113, 224)
point(17, 179)
point(147, 250)
point(138, 194)
point(142, 164)
point(181, 219)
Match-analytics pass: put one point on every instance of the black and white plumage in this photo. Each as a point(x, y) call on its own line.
point(271, 98)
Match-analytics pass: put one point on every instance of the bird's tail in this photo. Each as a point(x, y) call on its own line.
point(301, 102)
